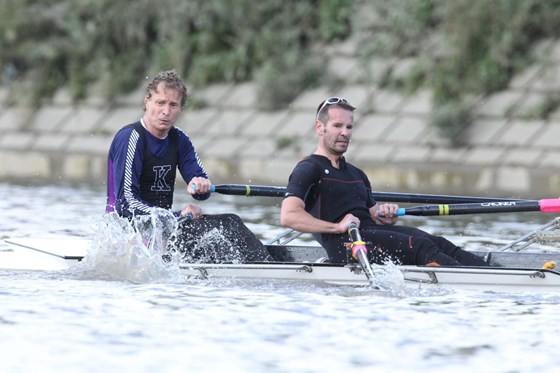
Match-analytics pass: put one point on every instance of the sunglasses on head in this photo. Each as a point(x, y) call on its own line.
point(332, 101)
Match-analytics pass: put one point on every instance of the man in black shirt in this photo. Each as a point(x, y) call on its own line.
point(325, 194)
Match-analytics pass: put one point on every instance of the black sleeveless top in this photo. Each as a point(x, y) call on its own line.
point(330, 193)
point(157, 181)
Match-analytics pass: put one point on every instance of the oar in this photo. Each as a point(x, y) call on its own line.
point(433, 198)
point(543, 205)
point(359, 251)
point(249, 190)
point(273, 191)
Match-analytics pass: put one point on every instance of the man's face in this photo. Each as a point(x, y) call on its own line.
point(337, 132)
point(162, 110)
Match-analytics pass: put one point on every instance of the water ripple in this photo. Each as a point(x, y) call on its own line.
point(78, 320)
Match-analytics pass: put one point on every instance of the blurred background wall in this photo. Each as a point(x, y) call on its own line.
point(452, 96)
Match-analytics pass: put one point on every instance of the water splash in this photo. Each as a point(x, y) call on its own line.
point(134, 251)
point(209, 247)
point(391, 280)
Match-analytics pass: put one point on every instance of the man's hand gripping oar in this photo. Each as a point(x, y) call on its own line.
point(359, 252)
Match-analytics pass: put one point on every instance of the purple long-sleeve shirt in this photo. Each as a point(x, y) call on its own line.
point(127, 174)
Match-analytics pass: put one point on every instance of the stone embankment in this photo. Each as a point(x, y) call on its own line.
point(504, 153)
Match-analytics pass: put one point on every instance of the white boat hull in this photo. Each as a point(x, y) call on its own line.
point(57, 254)
point(472, 278)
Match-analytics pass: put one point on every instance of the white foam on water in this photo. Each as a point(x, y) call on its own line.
point(132, 250)
point(211, 247)
point(390, 280)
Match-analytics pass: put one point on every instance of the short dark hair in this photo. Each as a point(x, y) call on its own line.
point(172, 80)
point(325, 105)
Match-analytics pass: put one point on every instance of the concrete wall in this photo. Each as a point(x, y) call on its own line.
point(505, 154)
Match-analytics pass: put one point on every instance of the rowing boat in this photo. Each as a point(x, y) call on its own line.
point(511, 269)
point(519, 271)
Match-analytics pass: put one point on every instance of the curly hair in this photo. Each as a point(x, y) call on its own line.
point(172, 80)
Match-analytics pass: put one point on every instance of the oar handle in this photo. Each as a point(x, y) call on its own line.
point(212, 188)
point(353, 232)
point(357, 243)
point(185, 218)
point(401, 211)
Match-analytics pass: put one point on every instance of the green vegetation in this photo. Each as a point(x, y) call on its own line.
point(110, 46)
point(464, 48)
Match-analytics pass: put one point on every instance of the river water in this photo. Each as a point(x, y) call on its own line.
point(68, 321)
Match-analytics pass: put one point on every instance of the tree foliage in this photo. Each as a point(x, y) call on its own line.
point(111, 45)
point(463, 48)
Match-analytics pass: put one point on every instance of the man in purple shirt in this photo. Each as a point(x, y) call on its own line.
point(143, 159)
